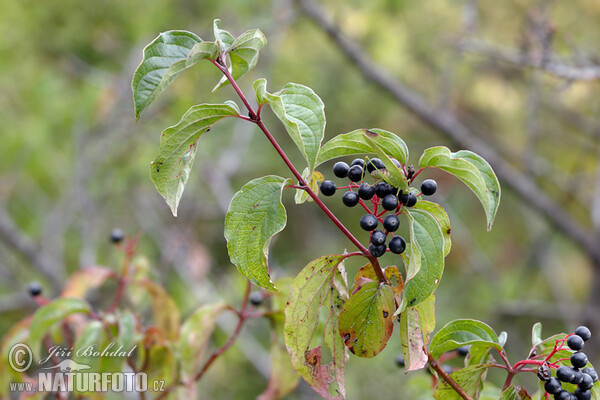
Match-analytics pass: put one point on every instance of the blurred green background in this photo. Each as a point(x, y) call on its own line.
point(73, 164)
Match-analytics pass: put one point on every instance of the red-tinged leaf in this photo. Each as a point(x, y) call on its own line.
point(164, 310)
point(391, 273)
point(85, 279)
point(314, 287)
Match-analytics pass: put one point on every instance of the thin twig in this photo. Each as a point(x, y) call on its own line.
point(447, 378)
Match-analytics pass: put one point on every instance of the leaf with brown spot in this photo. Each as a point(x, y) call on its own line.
point(367, 319)
point(392, 273)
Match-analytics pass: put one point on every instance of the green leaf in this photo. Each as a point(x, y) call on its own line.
point(416, 325)
point(315, 289)
point(514, 392)
point(194, 337)
point(313, 182)
point(536, 334)
point(461, 332)
point(357, 142)
point(473, 170)
point(255, 215)
point(53, 312)
point(301, 111)
point(178, 145)
point(470, 379)
point(164, 59)
point(222, 37)
point(92, 337)
point(367, 319)
point(426, 264)
point(243, 54)
point(442, 219)
point(165, 314)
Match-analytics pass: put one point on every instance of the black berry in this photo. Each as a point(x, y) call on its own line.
point(400, 360)
point(396, 163)
point(428, 187)
point(591, 372)
point(389, 202)
point(35, 289)
point(408, 199)
point(582, 394)
point(382, 189)
point(562, 395)
point(256, 298)
point(579, 359)
point(552, 386)
point(368, 222)
point(586, 383)
point(391, 223)
point(116, 235)
point(578, 377)
point(366, 191)
point(355, 173)
point(565, 374)
point(375, 164)
point(397, 245)
point(340, 169)
point(328, 188)
point(447, 369)
point(378, 238)
point(377, 251)
point(350, 199)
point(463, 350)
point(358, 161)
point(575, 342)
point(583, 332)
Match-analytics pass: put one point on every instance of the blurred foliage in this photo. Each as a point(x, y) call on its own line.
point(73, 164)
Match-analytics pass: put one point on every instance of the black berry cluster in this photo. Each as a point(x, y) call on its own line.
point(580, 375)
point(377, 198)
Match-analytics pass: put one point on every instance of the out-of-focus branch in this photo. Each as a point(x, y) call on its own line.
point(560, 69)
point(448, 125)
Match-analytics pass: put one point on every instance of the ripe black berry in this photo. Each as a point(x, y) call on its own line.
point(591, 372)
point(400, 360)
point(391, 223)
point(562, 395)
point(389, 202)
point(565, 374)
point(578, 377)
point(582, 394)
point(408, 199)
point(350, 198)
point(116, 235)
point(382, 189)
point(583, 332)
point(575, 342)
point(552, 386)
point(463, 350)
point(396, 163)
point(355, 173)
point(35, 289)
point(586, 383)
point(340, 169)
point(447, 369)
point(397, 245)
point(368, 222)
point(358, 161)
point(377, 251)
point(375, 164)
point(256, 298)
point(579, 359)
point(328, 188)
point(366, 191)
point(428, 187)
point(378, 238)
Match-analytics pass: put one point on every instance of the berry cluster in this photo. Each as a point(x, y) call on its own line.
point(379, 194)
point(578, 374)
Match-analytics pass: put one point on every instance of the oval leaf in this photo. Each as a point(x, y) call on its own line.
point(53, 312)
point(171, 168)
point(536, 334)
point(255, 215)
point(243, 54)
point(367, 319)
point(426, 257)
point(357, 142)
point(164, 59)
point(85, 279)
point(313, 288)
point(461, 332)
point(222, 37)
point(301, 111)
point(165, 313)
point(473, 170)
